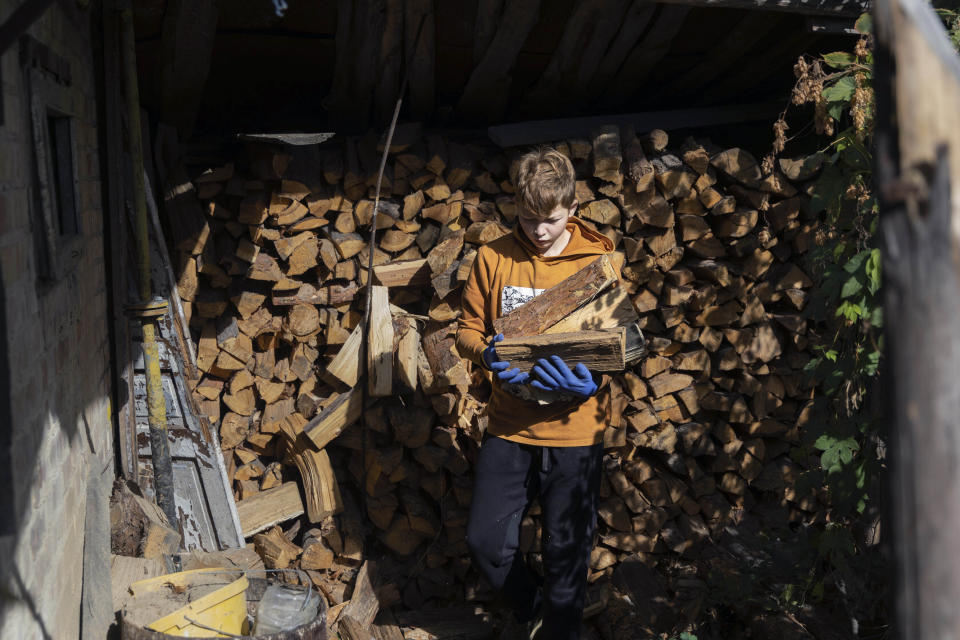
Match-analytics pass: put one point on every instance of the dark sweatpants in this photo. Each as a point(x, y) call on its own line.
point(566, 480)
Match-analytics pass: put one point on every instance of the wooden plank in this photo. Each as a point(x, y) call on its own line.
point(558, 301)
point(337, 416)
point(600, 350)
point(265, 509)
point(544, 131)
point(380, 345)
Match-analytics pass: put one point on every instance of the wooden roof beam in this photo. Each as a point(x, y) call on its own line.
point(810, 7)
point(542, 131)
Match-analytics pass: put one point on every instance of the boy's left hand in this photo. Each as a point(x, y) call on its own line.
point(555, 375)
point(502, 367)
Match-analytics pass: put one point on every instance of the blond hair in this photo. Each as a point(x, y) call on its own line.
point(544, 180)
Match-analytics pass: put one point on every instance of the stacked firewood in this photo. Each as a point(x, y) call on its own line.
point(272, 264)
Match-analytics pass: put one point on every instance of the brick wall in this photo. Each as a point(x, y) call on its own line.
point(57, 354)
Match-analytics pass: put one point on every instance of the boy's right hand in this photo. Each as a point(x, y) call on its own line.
point(501, 367)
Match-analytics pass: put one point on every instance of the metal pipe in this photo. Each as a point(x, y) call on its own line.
point(156, 403)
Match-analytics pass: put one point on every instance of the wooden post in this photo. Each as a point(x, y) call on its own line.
point(918, 175)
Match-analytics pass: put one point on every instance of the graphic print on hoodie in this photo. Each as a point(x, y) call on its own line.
point(512, 297)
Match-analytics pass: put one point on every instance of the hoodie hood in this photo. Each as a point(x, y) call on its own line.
point(583, 242)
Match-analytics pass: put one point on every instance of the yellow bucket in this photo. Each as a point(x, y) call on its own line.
point(224, 609)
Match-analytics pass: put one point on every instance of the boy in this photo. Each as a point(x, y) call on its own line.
point(546, 451)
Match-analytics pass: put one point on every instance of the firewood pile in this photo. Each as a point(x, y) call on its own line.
point(272, 253)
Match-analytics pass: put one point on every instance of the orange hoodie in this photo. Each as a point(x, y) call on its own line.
point(507, 273)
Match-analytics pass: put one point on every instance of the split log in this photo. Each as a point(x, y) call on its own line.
point(346, 367)
point(598, 350)
point(268, 508)
point(318, 481)
point(380, 345)
point(403, 274)
point(558, 301)
point(277, 552)
point(337, 416)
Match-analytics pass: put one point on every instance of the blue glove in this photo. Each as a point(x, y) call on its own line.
point(490, 357)
point(502, 367)
point(513, 376)
point(555, 375)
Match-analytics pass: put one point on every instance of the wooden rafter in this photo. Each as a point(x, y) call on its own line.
point(485, 27)
point(724, 54)
point(485, 96)
point(650, 50)
point(359, 40)
point(758, 68)
point(587, 34)
point(420, 55)
point(391, 47)
point(633, 25)
point(186, 49)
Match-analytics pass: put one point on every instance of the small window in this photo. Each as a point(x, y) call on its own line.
point(60, 149)
point(56, 211)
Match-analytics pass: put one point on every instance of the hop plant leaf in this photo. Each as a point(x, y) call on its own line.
point(839, 59)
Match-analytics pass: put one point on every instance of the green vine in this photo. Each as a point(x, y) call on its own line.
point(844, 440)
point(842, 446)
point(846, 306)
